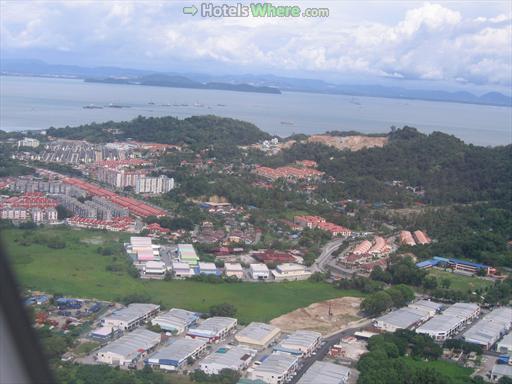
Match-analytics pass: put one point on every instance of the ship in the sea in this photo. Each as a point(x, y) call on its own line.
point(92, 106)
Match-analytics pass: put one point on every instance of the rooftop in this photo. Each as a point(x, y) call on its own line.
point(258, 332)
point(259, 268)
point(177, 351)
point(130, 345)
point(325, 373)
point(300, 338)
point(404, 317)
point(232, 358)
point(132, 312)
point(277, 364)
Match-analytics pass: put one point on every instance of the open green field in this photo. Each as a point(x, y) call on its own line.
point(460, 282)
point(79, 270)
point(456, 373)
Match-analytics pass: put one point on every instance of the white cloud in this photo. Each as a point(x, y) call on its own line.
point(427, 41)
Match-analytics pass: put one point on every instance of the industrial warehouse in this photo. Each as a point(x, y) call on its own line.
point(132, 316)
point(175, 320)
point(325, 373)
point(451, 321)
point(407, 317)
point(276, 369)
point(300, 343)
point(129, 348)
point(257, 335)
point(213, 329)
point(236, 358)
point(174, 355)
point(487, 331)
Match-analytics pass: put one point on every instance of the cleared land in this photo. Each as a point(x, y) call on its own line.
point(315, 317)
point(460, 282)
point(79, 270)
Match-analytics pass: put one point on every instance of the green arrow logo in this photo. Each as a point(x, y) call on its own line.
point(190, 10)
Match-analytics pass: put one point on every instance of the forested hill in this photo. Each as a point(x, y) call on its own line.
point(449, 170)
point(197, 131)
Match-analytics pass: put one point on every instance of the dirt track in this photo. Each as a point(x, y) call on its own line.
point(316, 316)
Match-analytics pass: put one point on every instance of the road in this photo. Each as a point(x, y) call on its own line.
point(328, 342)
point(326, 255)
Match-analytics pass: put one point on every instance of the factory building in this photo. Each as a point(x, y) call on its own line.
point(259, 271)
point(300, 343)
point(154, 185)
point(143, 249)
point(451, 321)
point(505, 345)
point(181, 270)
point(277, 368)
point(213, 329)
point(257, 335)
point(206, 269)
point(173, 356)
point(187, 254)
point(129, 348)
point(234, 269)
point(325, 373)
point(408, 317)
point(290, 271)
point(488, 330)
point(176, 320)
point(132, 316)
point(105, 334)
point(154, 269)
point(236, 358)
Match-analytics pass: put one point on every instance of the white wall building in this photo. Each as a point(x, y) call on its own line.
point(234, 269)
point(237, 359)
point(132, 316)
point(176, 354)
point(300, 343)
point(276, 368)
point(213, 329)
point(259, 271)
point(322, 372)
point(154, 185)
point(175, 320)
point(181, 270)
point(290, 271)
point(28, 142)
point(129, 348)
point(257, 335)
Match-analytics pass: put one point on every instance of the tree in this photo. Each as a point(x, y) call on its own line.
point(445, 283)
point(376, 303)
point(430, 282)
point(224, 309)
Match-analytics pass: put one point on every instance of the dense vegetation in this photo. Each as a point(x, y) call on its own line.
point(443, 166)
point(10, 167)
point(198, 132)
point(406, 357)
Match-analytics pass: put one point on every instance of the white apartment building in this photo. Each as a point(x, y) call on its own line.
point(154, 185)
point(28, 142)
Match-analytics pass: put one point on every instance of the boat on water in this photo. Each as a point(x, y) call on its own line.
point(287, 123)
point(92, 106)
point(117, 106)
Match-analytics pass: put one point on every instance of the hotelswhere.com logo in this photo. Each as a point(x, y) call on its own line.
point(253, 10)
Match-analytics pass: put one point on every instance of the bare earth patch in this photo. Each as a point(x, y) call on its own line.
point(315, 317)
point(353, 143)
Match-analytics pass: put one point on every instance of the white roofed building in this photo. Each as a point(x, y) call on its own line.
point(322, 372)
point(132, 316)
point(300, 343)
point(234, 269)
point(257, 335)
point(259, 271)
point(277, 368)
point(129, 348)
point(176, 320)
point(236, 358)
point(213, 329)
point(174, 355)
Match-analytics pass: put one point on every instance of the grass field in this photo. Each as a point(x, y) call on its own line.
point(456, 373)
point(460, 282)
point(78, 270)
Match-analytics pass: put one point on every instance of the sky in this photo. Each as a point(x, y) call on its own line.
point(447, 44)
